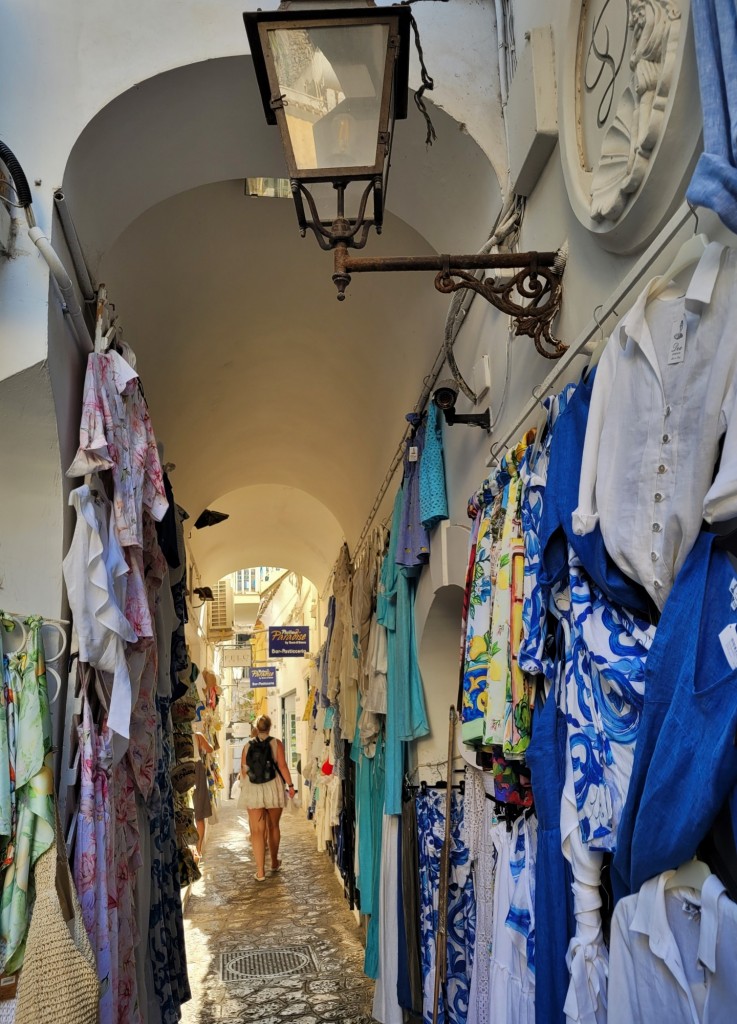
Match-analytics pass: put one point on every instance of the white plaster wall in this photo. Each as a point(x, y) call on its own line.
point(30, 510)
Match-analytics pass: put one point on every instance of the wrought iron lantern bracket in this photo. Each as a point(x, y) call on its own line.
point(532, 296)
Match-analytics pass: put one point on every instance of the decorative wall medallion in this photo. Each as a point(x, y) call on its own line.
point(630, 115)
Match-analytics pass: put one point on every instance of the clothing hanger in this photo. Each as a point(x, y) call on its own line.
point(727, 542)
point(541, 428)
point(690, 875)
point(601, 342)
point(690, 252)
point(100, 316)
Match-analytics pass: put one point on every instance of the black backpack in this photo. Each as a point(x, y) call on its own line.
point(260, 761)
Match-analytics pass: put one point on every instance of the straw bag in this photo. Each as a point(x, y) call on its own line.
point(59, 977)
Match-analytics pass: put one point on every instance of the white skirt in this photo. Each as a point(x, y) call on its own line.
point(261, 794)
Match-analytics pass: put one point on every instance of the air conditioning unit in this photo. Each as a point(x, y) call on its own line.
point(220, 612)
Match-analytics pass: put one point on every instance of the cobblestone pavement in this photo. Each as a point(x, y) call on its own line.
point(228, 911)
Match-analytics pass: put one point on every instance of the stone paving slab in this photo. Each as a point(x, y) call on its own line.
point(228, 911)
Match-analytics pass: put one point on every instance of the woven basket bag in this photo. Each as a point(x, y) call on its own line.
point(59, 981)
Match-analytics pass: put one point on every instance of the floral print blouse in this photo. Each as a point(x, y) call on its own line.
point(116, 433)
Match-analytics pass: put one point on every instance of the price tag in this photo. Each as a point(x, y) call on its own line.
point(677, 340)
point(8, 986)
point(728, 640)
point(414, 453)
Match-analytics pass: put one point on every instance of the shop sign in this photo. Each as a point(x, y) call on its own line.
point(289, 641)
point(236, 657)
point(262, 677)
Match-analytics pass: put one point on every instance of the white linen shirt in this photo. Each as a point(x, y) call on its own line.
point(656, 421)
point(668, 961)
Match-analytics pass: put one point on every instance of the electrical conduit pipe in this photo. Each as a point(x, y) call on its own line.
point(39, 239)
point(65, 286)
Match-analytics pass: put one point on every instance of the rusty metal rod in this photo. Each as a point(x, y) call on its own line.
point(476, 261)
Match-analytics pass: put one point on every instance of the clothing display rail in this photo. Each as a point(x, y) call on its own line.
point(594, 326)
point(16, 637)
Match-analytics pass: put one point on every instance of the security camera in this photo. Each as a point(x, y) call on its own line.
point(445, 394)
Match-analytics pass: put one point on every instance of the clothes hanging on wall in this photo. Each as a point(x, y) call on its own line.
point(386, 1008)
point(672, 954)
point(480, 819)
point(714, 182)
point(511, 967)
point(666, 388)
point(131, 843)
point(28, 788)
point(433, 494)
point(461, 918)
point(690, 708)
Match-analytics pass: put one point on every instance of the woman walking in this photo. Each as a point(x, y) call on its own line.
point(264, 773)
point(202, 802)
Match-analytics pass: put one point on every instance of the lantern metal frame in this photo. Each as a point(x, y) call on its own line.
point(532, 296)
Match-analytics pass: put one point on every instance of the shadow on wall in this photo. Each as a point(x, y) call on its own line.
point(438, 652)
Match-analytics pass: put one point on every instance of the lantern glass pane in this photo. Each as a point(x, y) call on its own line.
point(331, 79)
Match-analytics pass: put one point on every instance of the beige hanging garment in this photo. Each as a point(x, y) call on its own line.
point(59, 978)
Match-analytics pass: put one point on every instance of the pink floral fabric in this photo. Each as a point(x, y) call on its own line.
point(116, 433)
point(142, 745)
point(128, 861)
point(93, 856)
point(137, 610)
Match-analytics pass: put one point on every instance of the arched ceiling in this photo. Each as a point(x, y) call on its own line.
point(261, 531)
point(265, 389)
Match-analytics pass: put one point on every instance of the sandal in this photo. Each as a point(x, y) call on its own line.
point(261, 878)
point(277, 868)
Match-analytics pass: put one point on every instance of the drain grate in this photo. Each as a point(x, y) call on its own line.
point(268, 963)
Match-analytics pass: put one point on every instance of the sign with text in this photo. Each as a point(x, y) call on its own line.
point(289, 641)
point(262, 676)
point(236, 657)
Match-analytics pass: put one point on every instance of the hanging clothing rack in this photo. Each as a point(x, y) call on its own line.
point(630, 282)
point(21, 617)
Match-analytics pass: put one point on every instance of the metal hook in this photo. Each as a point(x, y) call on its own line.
point(692, 208)
point(536, 396)
point(494, 452)
point(597, 321)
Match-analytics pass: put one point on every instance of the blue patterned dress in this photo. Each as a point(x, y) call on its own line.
point(605, 685)
point(461, 924)
point(534, 474)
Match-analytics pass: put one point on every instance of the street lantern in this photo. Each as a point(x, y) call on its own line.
point(333, 76)
point(334, 81)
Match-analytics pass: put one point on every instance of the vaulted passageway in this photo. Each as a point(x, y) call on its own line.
point(277, 404)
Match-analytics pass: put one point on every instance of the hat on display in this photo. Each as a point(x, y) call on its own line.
point(183, 776)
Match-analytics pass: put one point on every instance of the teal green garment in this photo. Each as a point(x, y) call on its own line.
point(6, 790)
point(411, 711)
point(433, 495)
point(371, 958)
point(364, 819)
point(386, 611)
point(31, 752)
point(406, 717)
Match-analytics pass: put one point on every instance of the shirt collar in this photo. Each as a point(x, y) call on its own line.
point(700, 290)
point(651, 920)
point(711, 892)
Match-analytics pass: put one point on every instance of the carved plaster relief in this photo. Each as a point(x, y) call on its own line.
point(654, 30)
point(629, 114)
